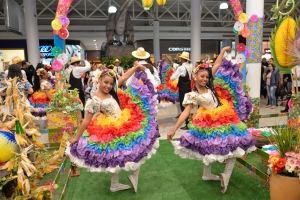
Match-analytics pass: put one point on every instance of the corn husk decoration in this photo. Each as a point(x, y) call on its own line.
point(147, 4)
point(282, 37)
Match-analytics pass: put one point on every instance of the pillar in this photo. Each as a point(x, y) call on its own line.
point(32, 37)
point(196, 10)
point(255, 46)
point(156, 45)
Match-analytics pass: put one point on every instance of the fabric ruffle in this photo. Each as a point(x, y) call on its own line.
point(219, 133)
point(168, 90)
point(109, 145)
point(40, 101)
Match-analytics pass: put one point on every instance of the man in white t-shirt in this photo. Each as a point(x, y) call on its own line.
point(15, 60)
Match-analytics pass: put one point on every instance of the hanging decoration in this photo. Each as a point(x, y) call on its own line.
point(161, 2)
point(282, 38)
point(147, 4)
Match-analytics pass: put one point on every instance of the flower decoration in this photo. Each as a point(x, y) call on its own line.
point(48, 67)
point(55, 32)
point(240, 58)
point(40, 71)
point(56, 65)
point(56, 25)
point(235, 31)
point(243, 18)
point(63, 33)
point(245, 32)
point(64, 20)
point(240, 47)
point(63, 58)
point(56, 51)
point(236, 7)
point(254, 18)
point(238, 26)
point(62, 10)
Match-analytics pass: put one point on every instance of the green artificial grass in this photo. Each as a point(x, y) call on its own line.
point(166, 176)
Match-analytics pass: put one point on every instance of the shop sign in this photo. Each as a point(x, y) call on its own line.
point(179, 49)
point(45, 51)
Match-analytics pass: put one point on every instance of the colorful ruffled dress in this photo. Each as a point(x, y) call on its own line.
point(217, 132)
point(40, 101)
point(167, 91)
point(118, 138)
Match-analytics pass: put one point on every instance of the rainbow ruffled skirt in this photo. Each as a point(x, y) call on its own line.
point(125, 143)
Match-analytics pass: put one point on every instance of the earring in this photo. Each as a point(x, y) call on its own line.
point(195, 79)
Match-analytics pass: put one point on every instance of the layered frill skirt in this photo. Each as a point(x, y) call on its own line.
point(111, 145)
point(215, 135)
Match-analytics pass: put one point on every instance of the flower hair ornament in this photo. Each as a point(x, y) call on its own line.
point(41, 72)
point(201, 66)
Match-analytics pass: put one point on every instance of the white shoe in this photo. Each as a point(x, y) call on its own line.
point(119, 187)
point(115, 185)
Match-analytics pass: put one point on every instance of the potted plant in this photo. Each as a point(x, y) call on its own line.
point(284, 165)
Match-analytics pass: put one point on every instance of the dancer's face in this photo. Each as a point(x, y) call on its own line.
point(202, 78)
point(106, 84)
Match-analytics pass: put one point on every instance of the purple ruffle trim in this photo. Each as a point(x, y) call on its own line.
point(217, 146)
point(168, 97)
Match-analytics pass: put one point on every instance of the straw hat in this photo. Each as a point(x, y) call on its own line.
point(74, 59)
point(117, 60)
point(185, 55)
point(140, 53)
point(16, 60)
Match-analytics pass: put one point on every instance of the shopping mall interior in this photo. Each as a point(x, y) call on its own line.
point(207, 31)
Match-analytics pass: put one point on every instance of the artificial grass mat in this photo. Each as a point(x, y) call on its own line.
point(166, 176)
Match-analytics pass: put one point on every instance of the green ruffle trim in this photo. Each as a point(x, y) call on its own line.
point(226, 86)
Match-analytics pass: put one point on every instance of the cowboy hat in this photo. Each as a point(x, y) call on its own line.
point(117, 60)
point(185, 55)
point(74, 59)
point(16, 60)
point(140, 53)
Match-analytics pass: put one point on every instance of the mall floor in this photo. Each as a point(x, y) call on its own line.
point(166, 176)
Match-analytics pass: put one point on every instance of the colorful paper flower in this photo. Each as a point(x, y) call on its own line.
point(55, 32)
point(56, 65)
point(240, 58)
point(64, 20)
point(56, 25)
point(235, 31)
point(243, 18)
point(245, 32)
point(56, 51)
point(62, 10)
point(240, 47)
point(254, 18)
point(63, 58)
point(238, 26)
point(63, 33)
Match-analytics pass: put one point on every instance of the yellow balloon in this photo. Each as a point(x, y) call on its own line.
point(147, 3)
point(56, 25)
point(161, 2)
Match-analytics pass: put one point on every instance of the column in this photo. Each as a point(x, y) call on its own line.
point(196, 10)
point(255, 46)
point(156, 45)
point(32, 37)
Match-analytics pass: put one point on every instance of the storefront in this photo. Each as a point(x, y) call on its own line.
point(12, 48)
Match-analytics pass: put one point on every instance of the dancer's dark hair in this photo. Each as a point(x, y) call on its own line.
point(209, 84)
point(15, 71)
point(112, 92)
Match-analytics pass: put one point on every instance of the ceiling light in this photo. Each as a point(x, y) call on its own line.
point(95, 40)
point(96, 44)
point(223, 5)
point(112, 9)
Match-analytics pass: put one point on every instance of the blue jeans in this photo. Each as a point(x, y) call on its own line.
point(271, 94)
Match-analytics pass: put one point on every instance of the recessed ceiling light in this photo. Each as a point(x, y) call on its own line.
point(223, 6)
point(95, 44)
point(95, 40)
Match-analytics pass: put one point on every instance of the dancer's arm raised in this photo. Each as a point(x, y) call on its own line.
point(219, 60)
point(129, 73)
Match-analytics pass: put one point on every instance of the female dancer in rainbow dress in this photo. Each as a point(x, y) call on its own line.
point(119, 130)
point(216, 132)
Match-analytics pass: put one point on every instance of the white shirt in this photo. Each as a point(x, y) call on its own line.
point(22, 71)
point(181, 71)
point(155, 73)
point(296, 69)
point(120, 70)
point(78, 71)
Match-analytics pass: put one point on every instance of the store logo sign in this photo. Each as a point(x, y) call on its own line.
point(179, 48)
point(45, 51)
